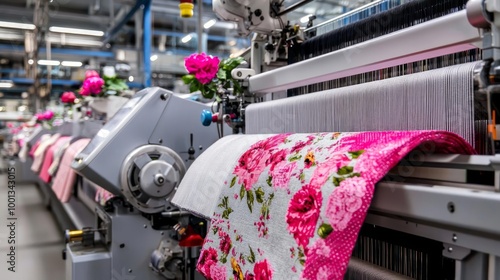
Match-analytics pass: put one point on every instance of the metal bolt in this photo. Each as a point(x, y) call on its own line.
point(455, 238)
point(160, 141)
point(450, 249)
point(162, 233)
point(129, 270)
point(145, 226)
point(122, 245)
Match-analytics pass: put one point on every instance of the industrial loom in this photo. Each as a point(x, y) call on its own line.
point(419, 65)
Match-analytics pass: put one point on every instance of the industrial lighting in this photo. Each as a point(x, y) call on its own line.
point(21, 108)
point(209, 23)
point(305, 19)
point(30, 62)
point(154, 57)
point(89, 32)
point(71, 63)
point(49, 62)
point(232, 43)
point(6, 84)
point(131, 78)
point(187, 38)
point(17, 25)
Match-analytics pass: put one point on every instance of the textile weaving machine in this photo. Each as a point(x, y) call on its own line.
point(421, 65)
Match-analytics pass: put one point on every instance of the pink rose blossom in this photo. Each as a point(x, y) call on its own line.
point(218, 272)
point(48, 115)
point(303, 213)
point(203, 67)
point(325, 169)
point(344, 201)
point(225, 242)
point(68, 97)
point(92, 85)
point(91, 73)
point(263, 271)
point(40, 117)
point(281, 175)
point(208, 258)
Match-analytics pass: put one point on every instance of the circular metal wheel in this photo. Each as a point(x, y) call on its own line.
point(150, 176)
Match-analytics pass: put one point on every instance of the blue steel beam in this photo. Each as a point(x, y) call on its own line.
point(113, 30)
point(146, 19)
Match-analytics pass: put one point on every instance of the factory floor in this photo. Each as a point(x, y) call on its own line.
point(38, 239)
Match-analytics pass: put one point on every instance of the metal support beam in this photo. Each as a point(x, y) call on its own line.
point(115, 29)
point(146, 19)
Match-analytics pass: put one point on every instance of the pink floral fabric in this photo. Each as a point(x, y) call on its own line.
point(294, 204)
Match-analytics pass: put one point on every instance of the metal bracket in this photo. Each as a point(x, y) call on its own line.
point(455, 252)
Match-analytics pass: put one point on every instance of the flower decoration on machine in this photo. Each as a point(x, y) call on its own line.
point(96, 86)
point(68, 98)
point(211, 76)
point(45, 118)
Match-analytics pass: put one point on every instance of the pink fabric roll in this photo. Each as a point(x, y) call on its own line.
point(40, 152)
point(33, 149)
point(320, 185)
point(65, 178)
point(49, 157)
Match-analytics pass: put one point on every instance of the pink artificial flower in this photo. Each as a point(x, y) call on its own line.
point(40, 117)
point(218, 272)
point(10, 125)
point(208, 258)
point(93, 85)
point(68, 97)
point(344, 201)
point(84, 91)
point(326, 168)
point(204, 67)
point(91, 73)
point(225, 242)
point(263, 271)
point(48, 115)
point(303, 213)
point(281, 175)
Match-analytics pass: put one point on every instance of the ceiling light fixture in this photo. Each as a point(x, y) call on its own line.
point(187, 38)
point(131, 78)
point(209, 23)
point(305, 19)
point(49, 62)
point(71, 63)
point(154, 57)
point(6, 84)
point(30, 61)
point(88, 32)
point(17, 25)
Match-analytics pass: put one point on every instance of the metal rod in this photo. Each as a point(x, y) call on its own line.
point(113, 30)
point(294, 6)
point(200, 26)
point(147, 43)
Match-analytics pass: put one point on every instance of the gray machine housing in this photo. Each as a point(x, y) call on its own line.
point(153, 116)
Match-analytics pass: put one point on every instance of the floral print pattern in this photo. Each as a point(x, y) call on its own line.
point(293, 205)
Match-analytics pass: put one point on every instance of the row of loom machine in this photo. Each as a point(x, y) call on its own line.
point(43, 156)
point(386, 253)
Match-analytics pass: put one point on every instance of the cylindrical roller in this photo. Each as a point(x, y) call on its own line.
point(361, 270)
point(476, 14)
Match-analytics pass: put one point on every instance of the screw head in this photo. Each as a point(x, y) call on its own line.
point(455, 238)
point(451, 207)
point(129, 270)
point(450, 249)
point(145, 226)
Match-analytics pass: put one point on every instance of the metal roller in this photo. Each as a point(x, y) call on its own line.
point(477, 15)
